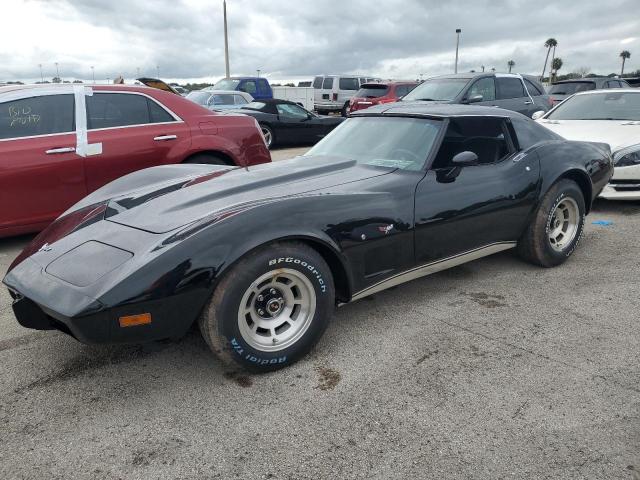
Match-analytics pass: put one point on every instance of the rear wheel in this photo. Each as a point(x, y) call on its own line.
point(206, 158)
point(270, 308)
point(557, 226)
point(267, 133)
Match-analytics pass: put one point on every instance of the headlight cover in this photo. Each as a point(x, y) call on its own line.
point(627, 157)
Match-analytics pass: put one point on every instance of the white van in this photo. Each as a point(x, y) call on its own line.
point(333, 92)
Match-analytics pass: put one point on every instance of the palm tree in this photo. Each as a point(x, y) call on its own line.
point(624, 55)
point(556, 65)
point(551, 42)
point(511, 64)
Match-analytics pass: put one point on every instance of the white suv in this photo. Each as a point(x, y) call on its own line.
point(333, 92)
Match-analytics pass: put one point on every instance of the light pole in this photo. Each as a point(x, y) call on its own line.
point(226, 40)
point(458, 32)
point(58, 72)
point(93, 74)
point(41, 75)
point(138, 72)
point(482, 67)
point(158, 71)
point(258, 70)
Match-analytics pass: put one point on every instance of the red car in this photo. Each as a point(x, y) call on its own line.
point(375, 93)
point(59, 143)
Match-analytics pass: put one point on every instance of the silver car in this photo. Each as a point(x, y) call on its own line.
point(220, 99)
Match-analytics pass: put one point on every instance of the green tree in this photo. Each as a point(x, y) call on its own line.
point(511, 64)
point(556, 65)
point(550, 43)
point(624, 55)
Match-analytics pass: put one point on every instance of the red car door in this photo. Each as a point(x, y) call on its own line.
point(134, 131)
point(40, 173)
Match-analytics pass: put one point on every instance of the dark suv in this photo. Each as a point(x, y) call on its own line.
point(520, 93)
point(565, 88)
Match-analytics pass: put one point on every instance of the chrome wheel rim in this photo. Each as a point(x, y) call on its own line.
point(563, 226)
point(268, 137)
point(276, 310)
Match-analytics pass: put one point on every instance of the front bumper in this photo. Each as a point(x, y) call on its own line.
point(43, 302)
point(624, 185)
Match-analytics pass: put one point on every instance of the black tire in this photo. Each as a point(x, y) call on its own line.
point(268, 134)
point(535, 245)
point(206, 158)
point(229, 334)
point(345, 110)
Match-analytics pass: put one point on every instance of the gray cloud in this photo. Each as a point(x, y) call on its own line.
point(284, 39)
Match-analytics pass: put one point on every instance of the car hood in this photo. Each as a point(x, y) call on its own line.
point(164, 206)
point(616, 133)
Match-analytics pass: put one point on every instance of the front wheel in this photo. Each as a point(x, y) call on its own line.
point(557, 226)
point(267, 133)
point(271, 308)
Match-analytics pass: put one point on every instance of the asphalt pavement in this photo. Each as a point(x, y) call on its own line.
point(495, 369)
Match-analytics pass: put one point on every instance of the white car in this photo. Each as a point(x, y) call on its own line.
point(218, 100)
point(607, 116)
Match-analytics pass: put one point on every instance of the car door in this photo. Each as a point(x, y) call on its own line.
point(295, 124)
point(512, 96)
point(40, 173)
point(459, 209)
point(134, 131)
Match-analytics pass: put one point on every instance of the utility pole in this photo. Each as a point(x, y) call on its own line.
point(226, 40)
point(58, 72)
point(41, 75)
point(458, 31)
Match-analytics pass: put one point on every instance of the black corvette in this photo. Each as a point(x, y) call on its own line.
point(284, 122)
point(260, 256)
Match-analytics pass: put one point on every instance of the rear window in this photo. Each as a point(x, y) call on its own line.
point(226, 84)
point(256, 106)
point(534, 90)
point(372, 91)
point(569, 88)
point(327, 84)
point(42, 115)
point(349, 84)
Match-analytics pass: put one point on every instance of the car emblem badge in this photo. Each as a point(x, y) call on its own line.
point(45, 248)
point(385, 228)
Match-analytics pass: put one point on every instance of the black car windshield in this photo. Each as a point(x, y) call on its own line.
point(569, 88)
point(605, 105)
point(391, 142)
point(226, 84)
point(201, 98)
point(443, 89)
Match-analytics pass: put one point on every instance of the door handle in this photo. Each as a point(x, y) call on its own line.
point(164, 138)
point(528, 102)
point(60, 150)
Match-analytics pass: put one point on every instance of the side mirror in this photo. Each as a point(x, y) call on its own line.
point(537, 115)
point(475, 99)
point(463, 159)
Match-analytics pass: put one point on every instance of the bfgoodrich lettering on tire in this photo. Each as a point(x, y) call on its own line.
point(271, 307)
point(557, 226)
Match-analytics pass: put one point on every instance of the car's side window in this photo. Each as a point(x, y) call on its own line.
point(534, 90)
point(43, 115)
point(249, 86)
point(291, 111)
point(484, 136)
point(317, 82)
point(348, 83)
point(529, 132)
point(510, 87)
point(108, 110)
point(485, 87)
point(327, 84)
point(240, 100)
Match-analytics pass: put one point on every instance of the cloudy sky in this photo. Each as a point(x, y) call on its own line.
point(288, 39)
